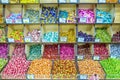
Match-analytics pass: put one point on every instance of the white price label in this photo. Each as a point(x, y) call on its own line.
point(62, 1)
point(83, 76)
point(30, 76)
point(102, 1)
point(80, 57)
point(80, 39)
point(99, 20)
point(73, 1)
point(18, 20)
point(83, 19)
point(8, 20)
point(26, 20)
point(63, 39)
point(27, 39)
point(62, 20)
point(97, 40)
point(5, 1)
point(96, 58)
point(113, 56)
point(10, 39)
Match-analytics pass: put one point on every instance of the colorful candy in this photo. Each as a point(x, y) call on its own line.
point(86, 16)
point(50, 52)
point(111, 1)
point(3, 50)
point(29, 1)
point(116, 37)
point(1, 18)
point(90, 67)
point(105, 37)
point(2, 34)
point(112, 68)
point(14, 1)
point(3, 62)
point(64, 69)
point(67, 52)
point(101, 51)
point(41, 69)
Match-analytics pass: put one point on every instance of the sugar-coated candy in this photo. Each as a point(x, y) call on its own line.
point(2, 34)
point(64, 69)
point(41, 69)
point(116, 37)
point(86, 16)
point(32, 15)
point(29, 1)
point(105, 37)
point(67, 52)
point(3, 50)
point(115, 50)
point(17, 35)
point(1, 18)
point(16, 68)
point(103, 16)
point(50, 52)
point(34, 35)
point(112, 68)
point(90, 67)
point(49, 15)
point(87, 37)
point(111, 1)
point(3, 62)
point(50, 37)
point(34, 52)
point(101, 51)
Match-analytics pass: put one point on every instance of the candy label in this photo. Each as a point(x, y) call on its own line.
point(62, 20)
point(30, 76)
point(73, 1)
point(62, 1)
point(83, 19)
point(80, 57)
point(97, 40)
point(102, 1)
point(83, 76)
point(4, 1)
point(27, 39)
point(8, 20)
point(10, 39)
point(63, 39)
point(26, 20)
point(99, 20)
point(96, 58)
point(18, 21)
point(80, 39)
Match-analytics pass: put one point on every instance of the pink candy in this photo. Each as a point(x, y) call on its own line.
point(3, 50)
point(86, 16)
point(67, 51)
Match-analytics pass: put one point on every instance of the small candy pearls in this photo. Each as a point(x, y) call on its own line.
point(2, 63)
point(41, 69)
point(3, 50)
point(64, 69)
point(116, 37)
point(50, 52)
point(112, 68)
point(2, 34)
point(67, 52)
point(86, 16)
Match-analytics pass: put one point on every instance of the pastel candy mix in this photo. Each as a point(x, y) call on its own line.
point(41, 69)
point(67, 52)
point(3, 62)
point(2, 34)
point(86, 15)
point(112, 68)
point(3, 50)
point(116, 37)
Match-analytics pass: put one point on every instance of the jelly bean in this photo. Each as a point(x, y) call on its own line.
point(34, 52)
point(90, 67)
point(116, 37)
point(85, 50)
point(64, 69)
point(115, 50)
point(16, 68)
point(50, 37)
point(111, 1)
point(2, 34)
point(86, 15)
point(105, 37)
point(41, 69)
point(101, 50)
point(67, 51)
point(50, 52)
point(49, 15)
point(3, 62)
point(3, 50)
point(112, 68)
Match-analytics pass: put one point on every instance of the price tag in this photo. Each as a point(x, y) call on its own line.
point(8, 20)
point(83, 76)
point(73, 1)
point(62, 1)
point(63, 39)
point(83, 19)
point(80, 39)
point(30, 76)
point(97, 40)
point(102, 1)
point(10, 40)
point(113, 56)
point(18, 20)
point(99, 20)
point(96, 58)
point(80, 57)
point(26, 20)
point(27, 39)
point(62, 20)
point(5, 1)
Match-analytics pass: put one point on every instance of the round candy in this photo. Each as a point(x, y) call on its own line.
point(2, 63)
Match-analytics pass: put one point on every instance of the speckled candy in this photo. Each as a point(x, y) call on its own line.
point(2, 34)
point(3, 50)
point(2, 63)
point(67, 52)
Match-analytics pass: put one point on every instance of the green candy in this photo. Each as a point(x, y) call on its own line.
point(2, 63)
